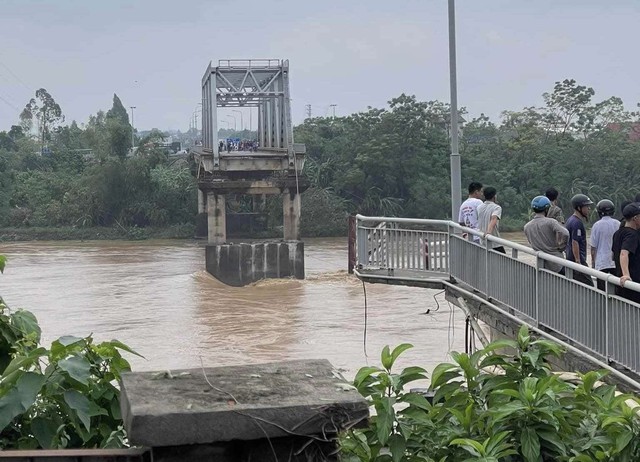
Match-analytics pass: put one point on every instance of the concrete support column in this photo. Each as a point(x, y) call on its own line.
point(217, 218)
point(291, 215)
point(202, 202)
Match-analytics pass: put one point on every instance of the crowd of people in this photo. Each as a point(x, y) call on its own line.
point(237, 145)
point(614, 245)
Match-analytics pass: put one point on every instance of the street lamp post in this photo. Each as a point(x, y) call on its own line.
point(235, 127)
point(241, 119)
point(456, 181)
point(132, 129)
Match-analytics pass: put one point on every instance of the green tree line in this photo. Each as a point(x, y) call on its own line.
point(55, 175)
point(391, 161)
point(395, 161)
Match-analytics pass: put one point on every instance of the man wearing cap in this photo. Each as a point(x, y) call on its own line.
point(577, 245)
point(545, 234)
point(626, 252)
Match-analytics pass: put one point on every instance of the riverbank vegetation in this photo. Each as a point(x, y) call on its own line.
point(493, 407)
point(391, 161)
point(61, 397)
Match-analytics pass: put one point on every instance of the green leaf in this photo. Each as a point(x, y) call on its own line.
point(10, 408)
point(84, 408)
point(385, 418)
point(21, 362)
point(397, 446)
point(397, 351)
point(438, 371)
point(28, 386)
point(417, 400)
point(530, 445)
point(385, 358)
point(553, 438)
point(471, 446)
point(123, 347)
point(3, 261)
point(364, 373)
point(67, 340)
point(26, 322)
point(623, 440)
point(77, 367)
point(44, 430)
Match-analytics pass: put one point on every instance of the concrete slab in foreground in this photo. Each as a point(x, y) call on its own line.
point(201, 406)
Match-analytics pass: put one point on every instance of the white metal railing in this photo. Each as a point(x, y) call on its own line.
point(598, 321)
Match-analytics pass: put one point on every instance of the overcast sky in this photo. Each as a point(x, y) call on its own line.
point(351, 53)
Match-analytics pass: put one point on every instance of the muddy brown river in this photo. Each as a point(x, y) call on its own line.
point(156, 297)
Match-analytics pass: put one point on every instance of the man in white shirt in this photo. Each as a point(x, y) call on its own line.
point(602, 239)
point(489, 216)
point(468, 215)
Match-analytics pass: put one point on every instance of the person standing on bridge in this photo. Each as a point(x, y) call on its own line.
point(626, 252)
point(602, 239)
point(489, 215)
point(554, 212)
point(577, 246)
point(468, 215)
point(545, 234)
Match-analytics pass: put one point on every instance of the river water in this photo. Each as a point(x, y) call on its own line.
point(156, 297)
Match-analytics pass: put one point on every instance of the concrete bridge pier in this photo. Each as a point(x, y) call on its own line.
point(217, 218)
point(291, 215)
point(202, 202)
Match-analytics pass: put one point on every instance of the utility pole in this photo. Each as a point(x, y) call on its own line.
point(133, 142)
point(456, 181)
point(308, 109)
point(333, 107)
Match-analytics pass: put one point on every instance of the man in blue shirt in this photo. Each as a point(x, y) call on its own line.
point(577, 246)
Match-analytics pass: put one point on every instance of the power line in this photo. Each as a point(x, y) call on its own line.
point(308, 110)
point(10, 104)
point(20, 81)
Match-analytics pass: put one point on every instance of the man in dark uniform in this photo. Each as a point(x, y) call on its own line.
point(626, 252)
point(577, 246)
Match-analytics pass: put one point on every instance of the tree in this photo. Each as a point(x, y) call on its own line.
point(118, 111)
point(46, 112)
point(118, 128)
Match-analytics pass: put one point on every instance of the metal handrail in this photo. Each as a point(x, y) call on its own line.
point(600, 322)
point(635, 286)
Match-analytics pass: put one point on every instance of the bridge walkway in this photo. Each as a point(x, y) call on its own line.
point(441, 254)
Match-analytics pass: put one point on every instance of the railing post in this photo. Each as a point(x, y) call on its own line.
point(609, 290)
point(486, 265)
point(352, 244)
point(539, 266)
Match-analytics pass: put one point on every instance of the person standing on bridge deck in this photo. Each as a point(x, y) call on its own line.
point(545, 234)
point(468, 215)
point(626, 252)
point(602, 239)
point(554, 212)
point(577, 246)
point(489, 215)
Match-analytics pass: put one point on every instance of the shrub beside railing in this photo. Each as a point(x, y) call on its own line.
point(493, 407)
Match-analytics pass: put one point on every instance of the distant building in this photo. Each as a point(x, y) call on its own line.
point(632, 129)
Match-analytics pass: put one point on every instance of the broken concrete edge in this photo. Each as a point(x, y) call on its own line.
point(240, 264)
point(251, 402)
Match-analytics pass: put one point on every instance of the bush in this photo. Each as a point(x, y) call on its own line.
point(494, 407)
point(61, 397)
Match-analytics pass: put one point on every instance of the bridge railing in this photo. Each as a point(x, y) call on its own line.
point(520, 279)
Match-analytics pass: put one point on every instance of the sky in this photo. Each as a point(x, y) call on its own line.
point(351, 53)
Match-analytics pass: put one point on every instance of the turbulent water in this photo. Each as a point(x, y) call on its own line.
point(156, 297)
